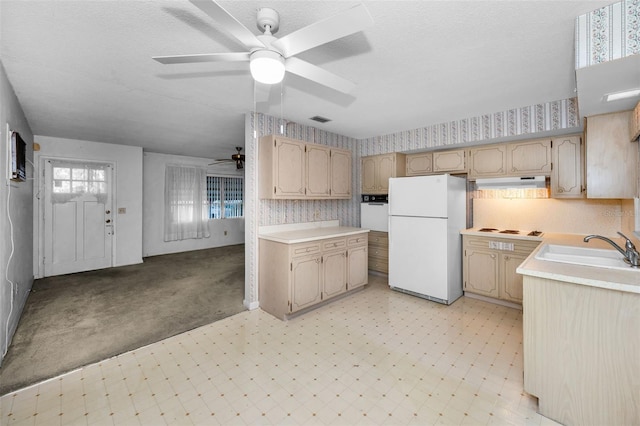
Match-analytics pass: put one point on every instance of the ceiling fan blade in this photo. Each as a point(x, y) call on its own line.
point(343, 24)
point(320, 76)
point(262, 91)
point(203, 57)
point(228, 22)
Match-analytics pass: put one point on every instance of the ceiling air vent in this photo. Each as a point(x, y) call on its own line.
point(320, 119)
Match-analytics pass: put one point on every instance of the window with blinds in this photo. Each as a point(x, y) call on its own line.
point(225, 196)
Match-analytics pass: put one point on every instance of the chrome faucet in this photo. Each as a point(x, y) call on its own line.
point(629, 252)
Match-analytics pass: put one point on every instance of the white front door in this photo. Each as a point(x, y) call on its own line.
point(78, 224)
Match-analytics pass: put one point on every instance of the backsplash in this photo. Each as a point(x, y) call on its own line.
point(602, 217)
point(545, 117)
point(608, 33)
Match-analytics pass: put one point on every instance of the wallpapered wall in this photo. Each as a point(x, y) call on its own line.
point(608, 33)
point(549, 116)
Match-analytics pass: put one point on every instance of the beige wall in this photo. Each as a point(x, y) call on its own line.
point(603, 217)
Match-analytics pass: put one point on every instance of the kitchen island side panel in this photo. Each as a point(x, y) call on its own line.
point(581, 351)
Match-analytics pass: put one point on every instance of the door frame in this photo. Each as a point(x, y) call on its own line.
point(38, 195)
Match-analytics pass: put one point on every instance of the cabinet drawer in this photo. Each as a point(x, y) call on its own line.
point(378, 239)
point(306, 248)
point(357, 240)
point(379, 252)
point(334, 244)
point(506, 245)
point(379, 265)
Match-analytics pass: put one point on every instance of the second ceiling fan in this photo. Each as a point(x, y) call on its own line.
point(270, 57)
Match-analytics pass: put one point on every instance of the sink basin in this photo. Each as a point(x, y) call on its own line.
point(600, 258)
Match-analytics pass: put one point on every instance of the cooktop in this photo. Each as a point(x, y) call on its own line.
point(511, 232)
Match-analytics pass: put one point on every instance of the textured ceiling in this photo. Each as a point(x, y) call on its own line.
point(83, 69)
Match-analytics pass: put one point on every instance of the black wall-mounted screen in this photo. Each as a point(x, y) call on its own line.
point(18, 158)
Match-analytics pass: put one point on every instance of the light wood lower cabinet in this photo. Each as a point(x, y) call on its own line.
point(580, 351)
point(379, 251)
point(489, 266)
point(293, 277)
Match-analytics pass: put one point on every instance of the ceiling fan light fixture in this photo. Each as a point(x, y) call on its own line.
point(267, 66)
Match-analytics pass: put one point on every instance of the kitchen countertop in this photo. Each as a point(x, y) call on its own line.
point(304, 232)
point(495, 234)
point(613, 279)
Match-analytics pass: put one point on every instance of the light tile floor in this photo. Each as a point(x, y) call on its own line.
point(374, 357)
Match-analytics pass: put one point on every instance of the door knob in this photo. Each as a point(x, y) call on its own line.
point(108, 221)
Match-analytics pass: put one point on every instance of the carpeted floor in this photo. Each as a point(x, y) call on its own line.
point(78, 319)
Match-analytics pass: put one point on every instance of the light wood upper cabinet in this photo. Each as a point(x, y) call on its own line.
point(377, 169)
point(612, 161)
point(487, 161)
point(449, 161)
point(567, 176)
point(292, 169)
point(282, 163)
point(340, 173)
point(419, 164)
point(531, 158)
point(318, 163)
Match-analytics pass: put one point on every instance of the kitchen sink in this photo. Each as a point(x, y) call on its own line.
point(600, 258)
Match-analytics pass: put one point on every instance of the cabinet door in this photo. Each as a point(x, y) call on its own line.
point(289, 168)
point(612, 171)
point(318, 162)
point(481, 272)
point(369, 175)
point(340, 173)
point(511, 279)
point(357, 267)
point(386, 166)
point(419, 164)
point(334, 265)
point(449, 161)
point(567, 174)
point(305, 281)
point(529, 158)
point(488, 161)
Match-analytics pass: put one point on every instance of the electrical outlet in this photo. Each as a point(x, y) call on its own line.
point(122, 210)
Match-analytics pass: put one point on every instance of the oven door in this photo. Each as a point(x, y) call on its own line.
point(374, 216)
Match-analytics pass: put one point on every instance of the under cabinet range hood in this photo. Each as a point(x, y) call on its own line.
point(511, 182)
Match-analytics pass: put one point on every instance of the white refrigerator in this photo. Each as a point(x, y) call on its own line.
point(426, 215)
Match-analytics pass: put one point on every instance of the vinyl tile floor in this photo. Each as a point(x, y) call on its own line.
point(375, 357)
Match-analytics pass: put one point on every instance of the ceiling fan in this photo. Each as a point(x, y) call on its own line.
point(237, 158)
point(270, 57)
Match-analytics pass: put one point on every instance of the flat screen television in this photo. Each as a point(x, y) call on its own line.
point(18, 158)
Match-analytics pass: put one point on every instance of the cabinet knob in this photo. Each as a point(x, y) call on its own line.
point(493, 256)
point(506, 258)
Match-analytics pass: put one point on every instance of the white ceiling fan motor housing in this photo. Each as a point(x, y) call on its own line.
point(268, 20)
